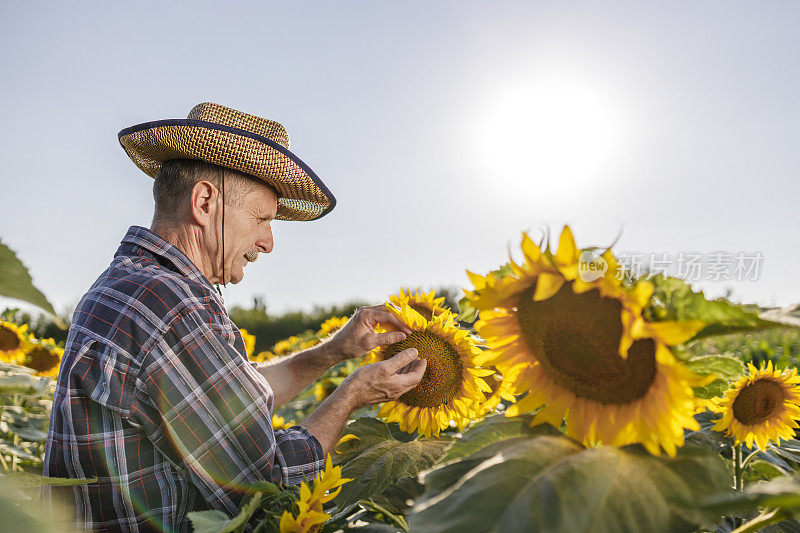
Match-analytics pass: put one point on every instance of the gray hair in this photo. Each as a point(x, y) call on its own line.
point(177, 177)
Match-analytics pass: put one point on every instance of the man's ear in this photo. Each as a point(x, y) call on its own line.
point(203, 202)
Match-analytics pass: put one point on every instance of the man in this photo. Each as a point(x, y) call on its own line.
point(155, 396)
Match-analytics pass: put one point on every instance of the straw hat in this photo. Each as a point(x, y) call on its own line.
point(232, 139)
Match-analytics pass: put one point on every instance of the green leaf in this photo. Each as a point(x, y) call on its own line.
point(674, 299)
point(370, 431)
point(218, 522)
point(377, 459)
point(395, 497)
point(466, 313)
point(728, 368)
point(762, 471)
point(16, 282)
point(782, 492)
point(21, 480)
point(552, 483)
point(22, 384)
point(492, 429)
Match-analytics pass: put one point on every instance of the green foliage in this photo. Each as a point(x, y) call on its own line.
point(469, 314)
point(16, 282)
point(727, 368)
point(779, 345)
point(493, 429)
point(23, 480)
point(762, 471)
point(551, 483)
point(781, 493)
point(269, 329)
point(377, 459)
point(218, 522)
point(24, 417)
point(21, 383)
point(674, 299)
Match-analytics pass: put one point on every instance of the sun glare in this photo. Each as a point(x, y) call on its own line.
point(559, 138)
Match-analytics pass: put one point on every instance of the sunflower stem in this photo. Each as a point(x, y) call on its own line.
point(401, 523)
point(738, 482)
point(762, 520)
point(749, 458)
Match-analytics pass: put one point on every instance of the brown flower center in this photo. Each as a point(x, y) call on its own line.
point(41, 359)
point(575, 337)
point(443, 375)
point(8, 339)
point(758, 402)
point(424, 310)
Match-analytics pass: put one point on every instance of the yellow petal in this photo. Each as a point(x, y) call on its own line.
point(530, 249)
point(675, 332)
point(567, 251)
point(547, 285)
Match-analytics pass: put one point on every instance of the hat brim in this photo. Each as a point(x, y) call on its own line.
point(302, 195)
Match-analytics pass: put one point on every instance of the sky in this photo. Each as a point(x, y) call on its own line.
point(444, 129)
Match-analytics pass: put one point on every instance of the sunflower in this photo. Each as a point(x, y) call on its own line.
point(278, 422)
point(426, 304)
point(760, 407)
point(573, 341)
point(262, 357)
point(450, 389)
point(13, 341)
point(310, 516)
point(502, 388)
point(305, 345)
point(324, 388)
point(332, 325)
point(288, 345)
point(44, 356)
point(249, 341)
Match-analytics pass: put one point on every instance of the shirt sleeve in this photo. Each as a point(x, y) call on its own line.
point(209, 411)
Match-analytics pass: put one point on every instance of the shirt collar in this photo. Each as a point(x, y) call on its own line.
point(161, 248)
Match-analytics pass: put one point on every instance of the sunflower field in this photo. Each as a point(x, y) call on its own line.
point(554, 399)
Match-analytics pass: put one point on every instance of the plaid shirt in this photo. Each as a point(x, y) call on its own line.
point(156, 398)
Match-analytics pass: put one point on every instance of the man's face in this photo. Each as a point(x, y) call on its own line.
point(248, 231)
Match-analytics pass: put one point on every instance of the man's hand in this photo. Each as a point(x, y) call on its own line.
point(386, 380)
point(358, 336)
point(375, 383)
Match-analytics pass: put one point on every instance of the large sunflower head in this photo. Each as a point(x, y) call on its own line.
point(426, 304)
point(452, 387)
point(13, 341)
point(576, 345)
point(310, 517)
point(44, 356)
point(760, 407)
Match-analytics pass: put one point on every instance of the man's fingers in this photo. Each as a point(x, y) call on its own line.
point(382, 316)
point(413, 375)
point(381, 339)
point(402, 359)
point(397, 323)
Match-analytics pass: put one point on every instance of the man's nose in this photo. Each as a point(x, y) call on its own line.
point(265, 243)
